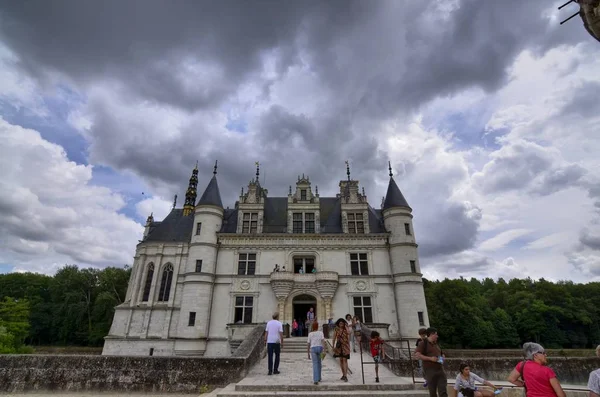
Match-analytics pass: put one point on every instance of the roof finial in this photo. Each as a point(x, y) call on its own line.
point(390, 168)
point(290, 193)
point(317, 190)
point(174, 201)
point(215, 169)
point(196, 165)
point(257, 171)
point(242, 191)
point(348, 169)
point(363, 191)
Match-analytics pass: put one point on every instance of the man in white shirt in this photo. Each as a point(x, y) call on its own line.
point(274, 341)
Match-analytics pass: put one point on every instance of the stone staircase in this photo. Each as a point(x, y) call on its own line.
point(295, 345)
point(329, 390)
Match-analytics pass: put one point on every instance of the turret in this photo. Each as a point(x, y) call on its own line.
point(405, 268)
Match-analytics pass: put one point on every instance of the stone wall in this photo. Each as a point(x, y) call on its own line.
point(21, 373)
point(573, 371)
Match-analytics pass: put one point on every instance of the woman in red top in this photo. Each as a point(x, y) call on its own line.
point(538, 379)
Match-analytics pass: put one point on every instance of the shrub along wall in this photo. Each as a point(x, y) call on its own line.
point(119, 373)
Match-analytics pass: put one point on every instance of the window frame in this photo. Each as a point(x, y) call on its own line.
point(192, 319)
point(304, 222)
point(198, 266)
point(244, 308)
point(198, 228)
point(359, 310)
point(421, 318)
point(305, 265)
point(166, 281)
point(148, 282)
point(361, 259)
point(413, 266)
point(250, 222)
point(247, 260)
point(354, 224)
point(407, 229)
point(303, 195)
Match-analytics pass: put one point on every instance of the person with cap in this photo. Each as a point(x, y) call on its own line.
point(536, 377)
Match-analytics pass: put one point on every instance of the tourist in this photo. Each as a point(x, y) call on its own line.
point(357, 330)
point(594, 381)
point(430, 353)
point(465, 384)
point(316, 344)
point(341, 346)
point(377, 352)
point(294, 328)
point(422, 337)
point(276, 269)
point(274, 341)
point(350, 327)
point(536, 377)
point(310, 317)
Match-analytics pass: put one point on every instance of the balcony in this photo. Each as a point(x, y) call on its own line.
point(283, 282)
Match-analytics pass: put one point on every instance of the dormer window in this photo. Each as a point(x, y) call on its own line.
point(356, 223)
point(250, 222)
point(303, 194)
point(304, 222)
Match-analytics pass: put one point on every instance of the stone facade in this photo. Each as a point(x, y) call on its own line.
point(201, 273)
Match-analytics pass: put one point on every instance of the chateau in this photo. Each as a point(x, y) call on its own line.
point(205, 275)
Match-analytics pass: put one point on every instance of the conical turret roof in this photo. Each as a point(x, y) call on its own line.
point(211, 195)
point(394, 197)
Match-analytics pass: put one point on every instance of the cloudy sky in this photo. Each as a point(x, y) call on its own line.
point(488, 111)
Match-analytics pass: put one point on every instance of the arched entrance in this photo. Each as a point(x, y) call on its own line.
point(301, 304)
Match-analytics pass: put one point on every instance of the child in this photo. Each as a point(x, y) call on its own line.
point(422, 337)
point(377, 352)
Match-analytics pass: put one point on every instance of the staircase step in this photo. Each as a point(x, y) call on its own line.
point(342, 387)
point(324, 392)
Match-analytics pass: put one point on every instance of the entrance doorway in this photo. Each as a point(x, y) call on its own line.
point(300, 306)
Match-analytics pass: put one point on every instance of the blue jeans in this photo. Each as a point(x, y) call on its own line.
point(315, 354)
point(273, 348)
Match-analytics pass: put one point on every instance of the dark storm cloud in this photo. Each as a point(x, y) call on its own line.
point(589, 239)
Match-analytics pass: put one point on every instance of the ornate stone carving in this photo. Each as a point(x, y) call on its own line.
point(327, 283)
point(282, 284)
point(366, 221)
point(345, 222)
point(360, 285)
point(245, 285)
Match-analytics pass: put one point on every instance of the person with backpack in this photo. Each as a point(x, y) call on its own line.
point(431, 354)
point(422, 337)
point(536, 377)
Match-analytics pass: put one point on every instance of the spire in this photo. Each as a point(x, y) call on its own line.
point(390, 168)
point(191, 193)
point(211, 195)
point(150, 219)
point(257, 171)
point(174, 201)
point(394, 197)
point(348, 169)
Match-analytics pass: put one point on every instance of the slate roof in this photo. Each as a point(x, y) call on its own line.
point(211, 195)
point(175, 227)
point(394, 197)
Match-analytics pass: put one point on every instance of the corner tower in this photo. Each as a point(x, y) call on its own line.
point(199, 273)
point(406, 271)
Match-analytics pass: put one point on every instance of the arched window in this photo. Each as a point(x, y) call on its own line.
point(165, 283)
point(148, 283)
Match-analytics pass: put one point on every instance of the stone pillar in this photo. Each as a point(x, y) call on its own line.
point(281, 308)
point(327, 308)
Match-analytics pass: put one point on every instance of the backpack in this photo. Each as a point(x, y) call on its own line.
point(426, 343)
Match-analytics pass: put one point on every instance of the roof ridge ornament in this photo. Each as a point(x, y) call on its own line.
point(390, 168)
point(257, 171)
point(215, 169)
point(348, 169)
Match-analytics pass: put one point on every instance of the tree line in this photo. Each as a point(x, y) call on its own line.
point(499, 314)
point(76, 307)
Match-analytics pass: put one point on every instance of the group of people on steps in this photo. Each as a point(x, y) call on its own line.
point(533, 374)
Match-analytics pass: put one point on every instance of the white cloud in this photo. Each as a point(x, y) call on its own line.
point(502, 239)
point(50, 214)
point(156, 206)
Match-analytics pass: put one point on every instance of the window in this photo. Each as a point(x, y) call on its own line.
point(165, 283)
point(148, 284)
point(151, 351)
point(192, 319)
point(303, 222)
point(356, 223)
point(407, 229)
point(304, 264)
point(359, 266)
point(250, 222)
point(303, 194)
point(421, 319)
point(297, 222)
point(198, 265)
point(243, 309)
point(198, 228)
point(247, 264)
point(363, 308)
point(413, 266)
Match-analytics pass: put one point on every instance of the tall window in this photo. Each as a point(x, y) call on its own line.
point(413, 266)
point(243, 309)
point(304, 222)
point(407, 229)
point(192, 319)
point(356, 223)
point(198, 228)
point(198, 265)
point(148, 283)
point(363, 308)
point(165, 283)
point(250, 222)
point(304, 264)
point(421, 318)
point(247, 264)
point(359, 265)
point(303, 194)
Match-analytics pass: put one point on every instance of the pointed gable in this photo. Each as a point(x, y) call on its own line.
point(211, 195)
point(394, 197)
